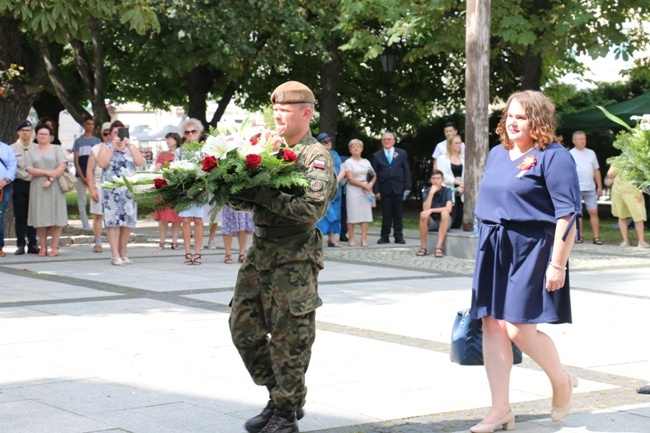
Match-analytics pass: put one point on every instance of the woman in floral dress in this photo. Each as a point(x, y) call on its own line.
point(118, 158)
point(240, 223)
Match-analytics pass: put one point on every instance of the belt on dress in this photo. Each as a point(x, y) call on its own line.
point(283, 231)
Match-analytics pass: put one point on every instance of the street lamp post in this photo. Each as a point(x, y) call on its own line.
point(388, 59)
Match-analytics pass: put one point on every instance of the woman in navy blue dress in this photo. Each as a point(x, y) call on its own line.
point(528, 203)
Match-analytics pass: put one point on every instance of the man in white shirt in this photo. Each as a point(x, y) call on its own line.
point(591, 186)
point(441, 148)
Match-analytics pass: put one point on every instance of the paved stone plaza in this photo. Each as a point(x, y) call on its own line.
point(89, 347)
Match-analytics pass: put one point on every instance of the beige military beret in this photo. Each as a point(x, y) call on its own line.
point(292, 92)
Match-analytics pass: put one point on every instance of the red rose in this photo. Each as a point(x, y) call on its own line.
point(253, 161)
point(289, 155)
point(255, 139)
point(159, 182)
point(209, 163)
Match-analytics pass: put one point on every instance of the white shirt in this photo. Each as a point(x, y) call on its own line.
point(586, 163)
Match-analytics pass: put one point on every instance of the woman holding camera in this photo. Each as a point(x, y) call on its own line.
point(119, 158)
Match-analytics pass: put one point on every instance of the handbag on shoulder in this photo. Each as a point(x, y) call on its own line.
point(467, 341)
point(369, 175)
point(67, 181)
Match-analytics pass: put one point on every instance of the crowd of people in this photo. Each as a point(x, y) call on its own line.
point(31, 168)
point(363, 184)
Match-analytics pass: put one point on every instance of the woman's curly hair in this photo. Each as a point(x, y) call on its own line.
point(540, 112)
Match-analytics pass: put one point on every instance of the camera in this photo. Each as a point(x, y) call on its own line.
point(123, 133)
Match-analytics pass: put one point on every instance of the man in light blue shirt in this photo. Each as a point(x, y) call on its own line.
point(7, 176)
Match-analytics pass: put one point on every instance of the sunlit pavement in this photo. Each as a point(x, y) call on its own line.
point(90, 347)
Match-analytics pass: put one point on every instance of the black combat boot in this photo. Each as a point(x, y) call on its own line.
point(282, 421)
point(257, 423)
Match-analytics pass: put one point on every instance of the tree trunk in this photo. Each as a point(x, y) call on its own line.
point(47, 104)
point(531, 73)
point(531, 76)
point(18, 95)
point(98, 95)
point(199, 83)
point(477, 95)
point(330, 84)
point(60, 87)
point(226, 97)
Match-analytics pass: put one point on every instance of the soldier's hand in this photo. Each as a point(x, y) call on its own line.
point(245, 194)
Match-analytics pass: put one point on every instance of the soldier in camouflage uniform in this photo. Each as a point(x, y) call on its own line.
point(273, 310)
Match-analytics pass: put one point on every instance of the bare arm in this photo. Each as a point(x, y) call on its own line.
point(77, 167)
point(90, 175)
point(599, 182)
point(555, 272)
point(138, 158)
point(105, 155)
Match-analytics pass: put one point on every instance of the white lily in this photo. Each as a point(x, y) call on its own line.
point(219, 146)
point(247, 148)
point(184, 164)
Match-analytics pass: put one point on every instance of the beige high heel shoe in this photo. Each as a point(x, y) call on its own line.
point(507, 422)
point(557, 413)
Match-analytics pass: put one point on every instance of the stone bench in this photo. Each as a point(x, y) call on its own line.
point(457, 244)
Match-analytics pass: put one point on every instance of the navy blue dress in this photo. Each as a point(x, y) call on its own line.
point(518, 218)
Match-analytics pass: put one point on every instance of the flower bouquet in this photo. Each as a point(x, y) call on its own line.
point(231, 160)
point(634, 144)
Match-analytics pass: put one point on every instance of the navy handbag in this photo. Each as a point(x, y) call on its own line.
point(467, 341)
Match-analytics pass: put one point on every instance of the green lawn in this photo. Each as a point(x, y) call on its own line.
point(73, 211)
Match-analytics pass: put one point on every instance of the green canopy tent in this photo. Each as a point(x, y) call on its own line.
point(595, 119)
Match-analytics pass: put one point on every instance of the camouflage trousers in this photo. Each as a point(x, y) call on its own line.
point(273, 327)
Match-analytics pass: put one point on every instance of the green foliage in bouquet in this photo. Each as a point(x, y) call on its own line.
point(633, 163)
point(230, 161)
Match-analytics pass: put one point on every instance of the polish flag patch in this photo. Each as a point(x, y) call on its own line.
point(319, 164)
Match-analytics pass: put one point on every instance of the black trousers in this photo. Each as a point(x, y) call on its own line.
point(21, 210)
point(344, 215)
point(392, 209)
point(457, 213)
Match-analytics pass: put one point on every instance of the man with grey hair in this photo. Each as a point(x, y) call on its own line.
point(391, 164)
point(591, 186)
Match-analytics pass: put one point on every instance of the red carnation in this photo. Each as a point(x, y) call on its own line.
point(209, 163)
point(289, 155)
point(253, 161)
point(528, 163)
point(159, 182)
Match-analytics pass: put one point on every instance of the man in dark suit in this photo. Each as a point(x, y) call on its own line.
point(393, 186)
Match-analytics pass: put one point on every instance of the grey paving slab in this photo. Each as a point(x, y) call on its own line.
point(74, 326)
point(28, 416)
point(91, 396)
point(172, 418)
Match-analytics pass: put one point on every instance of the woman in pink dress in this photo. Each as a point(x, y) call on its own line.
point(168, 215)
